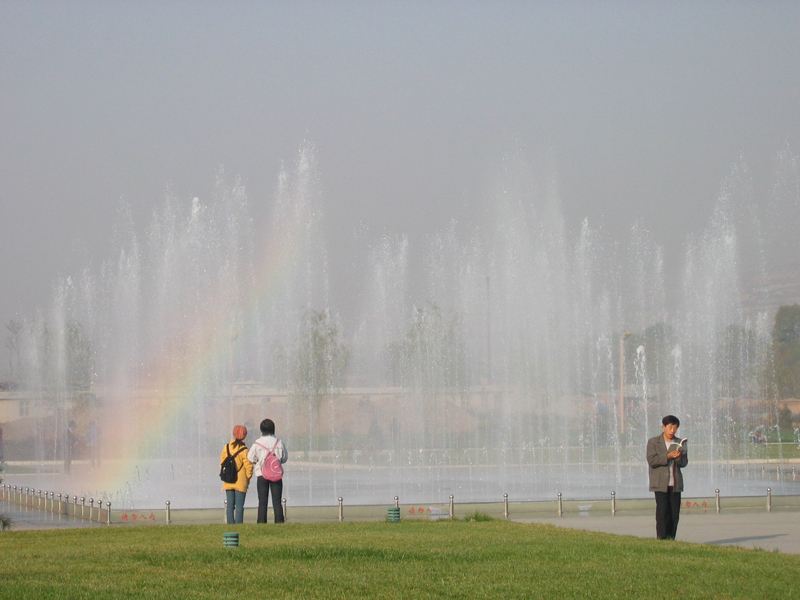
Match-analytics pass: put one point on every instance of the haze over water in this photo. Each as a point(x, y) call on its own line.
point(486, 201)
point(509, 367)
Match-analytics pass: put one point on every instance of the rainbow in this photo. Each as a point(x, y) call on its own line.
point(178, 380)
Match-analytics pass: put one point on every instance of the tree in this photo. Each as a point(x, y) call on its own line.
point(785, 419)
point(433, 356)
point(735, 356)
point(786, 351)
point(280, 365)
point(12, 343)
point(320, 364)
point(51, 362)
point(80, 357)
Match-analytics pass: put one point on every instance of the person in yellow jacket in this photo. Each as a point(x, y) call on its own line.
point(236, 492)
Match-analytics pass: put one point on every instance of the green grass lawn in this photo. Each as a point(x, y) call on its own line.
point(483, 559)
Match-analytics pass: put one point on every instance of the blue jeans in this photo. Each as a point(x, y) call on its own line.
point(235, 500)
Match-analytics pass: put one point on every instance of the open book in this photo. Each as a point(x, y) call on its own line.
point(676, 446)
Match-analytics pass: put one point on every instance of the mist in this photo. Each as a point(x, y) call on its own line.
point(627, 114)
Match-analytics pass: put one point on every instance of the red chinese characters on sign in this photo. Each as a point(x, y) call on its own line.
point(690, 504)
point(134, 517)
point(419, 510)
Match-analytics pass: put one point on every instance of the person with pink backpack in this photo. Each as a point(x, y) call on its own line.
point(268, 454)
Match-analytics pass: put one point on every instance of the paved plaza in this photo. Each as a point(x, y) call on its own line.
point(777, 530)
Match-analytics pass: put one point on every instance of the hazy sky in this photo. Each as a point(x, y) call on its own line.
point(642, 106)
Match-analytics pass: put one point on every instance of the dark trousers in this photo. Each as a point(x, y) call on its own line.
point(94, 455)
point(264, 487)
point(668, 511)
point(67, 460)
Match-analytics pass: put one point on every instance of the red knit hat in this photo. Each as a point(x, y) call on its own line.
point(240, 432)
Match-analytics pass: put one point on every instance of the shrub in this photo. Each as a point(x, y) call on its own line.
point(478, 516)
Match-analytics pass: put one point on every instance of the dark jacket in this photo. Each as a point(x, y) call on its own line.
point(658, 462)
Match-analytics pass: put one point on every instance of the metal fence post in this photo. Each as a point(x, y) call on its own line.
point(108, 513)
point(613, 503)
point(341, 510)
point(283, 502)
point(168, 513)
point(560, 505)
point(452, 508)
point(769, 499)
point(505, 505)
point(397, 501)
point(718, 506)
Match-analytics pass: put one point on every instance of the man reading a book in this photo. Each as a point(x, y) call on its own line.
point(666, 456)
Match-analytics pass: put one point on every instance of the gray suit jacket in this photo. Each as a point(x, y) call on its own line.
point(659, 465)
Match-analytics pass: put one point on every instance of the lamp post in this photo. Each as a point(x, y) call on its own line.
point(488, 330)
point(230, 377)
point(622, 339)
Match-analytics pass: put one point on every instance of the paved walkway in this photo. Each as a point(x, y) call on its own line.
point(777, 530)
point(40, 519)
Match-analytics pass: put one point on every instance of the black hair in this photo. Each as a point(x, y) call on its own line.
point(267, 427)
point(671, 420)
point(236, 443)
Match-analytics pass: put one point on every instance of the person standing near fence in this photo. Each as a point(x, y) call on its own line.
point(93, 443)
point(666, 456)
point(236, 491)
point(259, 452)
point(69, 442)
